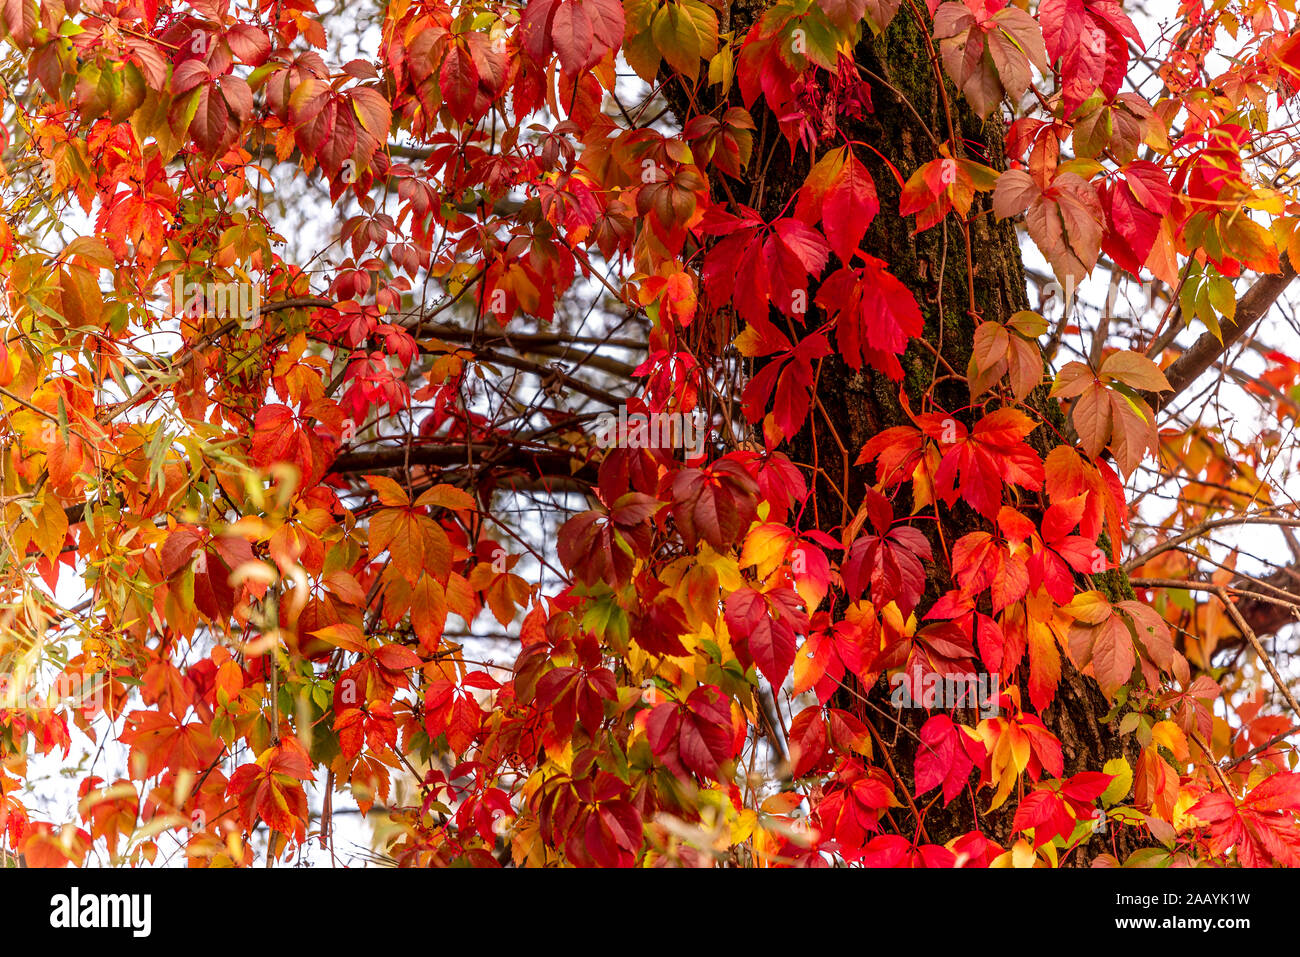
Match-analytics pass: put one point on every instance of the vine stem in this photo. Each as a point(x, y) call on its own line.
point(893, 772)
point(958, 147)
point(1214, 764)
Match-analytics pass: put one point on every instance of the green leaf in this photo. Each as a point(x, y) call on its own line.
point(684, 33)
point(1119, 788)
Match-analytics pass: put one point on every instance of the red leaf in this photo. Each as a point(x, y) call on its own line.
point(715, 504)
point(1261, 828)
point(841, 193)
point(270, 790)
point(581, 32)
point(1090, 40)
point(890, 565)
point(875, 315)
point(808, 741)
point(1134, 207)
point(458, 79)
point(764, 626)
point(694, 736)
point(1046, 814)
point(977, 464)
point(946, 756)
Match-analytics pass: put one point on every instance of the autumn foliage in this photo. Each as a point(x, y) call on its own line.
point(251, 557)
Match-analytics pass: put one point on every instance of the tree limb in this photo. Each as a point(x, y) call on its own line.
point(1206, 350)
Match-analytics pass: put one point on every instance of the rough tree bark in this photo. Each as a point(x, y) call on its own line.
point(856, 406)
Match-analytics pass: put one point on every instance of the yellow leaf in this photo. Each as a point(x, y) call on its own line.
point(390, 493)
point(1021, 855)
point(743, 827)
point(1091, 607)
point(51, 527)
point(1118, 789)
point(1169, 735)
point(722, 69)
point(726, 568)
point(765, 548)
point(447, 496)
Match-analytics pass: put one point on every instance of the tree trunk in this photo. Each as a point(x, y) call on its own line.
point(856, 406)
